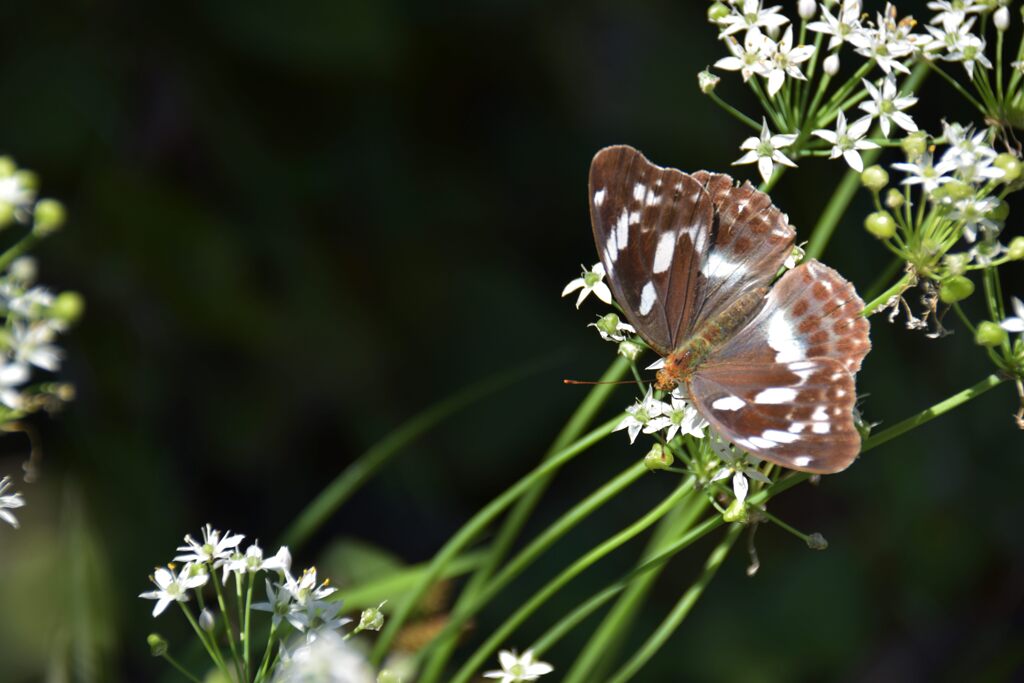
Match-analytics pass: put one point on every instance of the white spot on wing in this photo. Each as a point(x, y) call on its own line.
point(599, 197)
point(774, 395)
point(797, 427)
point(761, 443)
point(820, 414)
point(778, 436)
point(821, 428)
point(716, 266)
point(663, 254)
point(728, 403)
point(638, 191)
point(622, 230)
point(634, 218)
point(652, 199)
point(647, 296)
point(802, 460)
point(781, 338)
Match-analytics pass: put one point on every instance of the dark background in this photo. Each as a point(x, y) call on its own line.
point(297, 226)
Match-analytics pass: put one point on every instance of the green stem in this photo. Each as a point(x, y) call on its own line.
point(513, 524)
point(540, 597)
point(248, 614)
point(903, 283)
point(17, 249)
point(734, 112)
point(389, 586)
point(211, 647)
point(182, 670)
point(435, 666)
point(956, 86)
point(476, 526)
point(227, 621)
point(680, 611)
point(359, 472)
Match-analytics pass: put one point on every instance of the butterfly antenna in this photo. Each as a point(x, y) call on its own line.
point(578, 381)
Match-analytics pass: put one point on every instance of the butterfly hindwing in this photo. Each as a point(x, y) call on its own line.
point(651, 226)
point(798, 414)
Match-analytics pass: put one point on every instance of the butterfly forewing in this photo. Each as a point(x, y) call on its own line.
point(651, 226)
point(750, 241)
point(797, 414)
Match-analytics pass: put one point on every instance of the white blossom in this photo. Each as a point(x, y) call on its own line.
point(838, 27)
point(517, 668)
point(1014, 323)
point(961, 45)
point(590, 281)
point(782, 60)
point(8, 502)
point(925, 173)
point(678, 418)
point(750, 58)
point(765, 150)
point(172, 587)
point(640, 414)
point(847, 141)
point(738, 465)
point(887, 43)
point(751, 15)
point(953, 13)
point(214, 548)
point(974, 212)
point(887, 107)
point(326, 659)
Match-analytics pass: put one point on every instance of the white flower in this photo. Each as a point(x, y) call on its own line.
point(279, 604)
point(213, 550)
point(738, 465)
point(784, 60)
point(327, 659)
point(1015, 323)
point(847, 142)
point(887, 43)
point(31, 304)
point(765, 151)
point(322, 617)
point(986, 251)
point(926, 174)
point(796, 255)
point(679, 418)
point(253, 561)
point(12, 376)
point(952, 13)
point(973, 158)
point(640, 414)
point(9, 501)
point(306, 590)
point(749, 59)
point(752, 15)
point(516, 668)
point(1001, 18)
point(173, 587)
point(32, 345)
point(974, 214)
point(15, 193)
point(887, 107)
point(590, 281)
point(620, 332)
point(961, 45)
point(839, 27)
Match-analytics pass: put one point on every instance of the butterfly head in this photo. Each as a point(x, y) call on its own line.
point(677, 370)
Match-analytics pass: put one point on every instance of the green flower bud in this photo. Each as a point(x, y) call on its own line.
point(707, 81)
point(609, 324)
point(6, 214)
point(956, 264)
point(990, 334)
point(630, 350)
point(207, 621)
point(658, 458)
point(955, 190)
point(817, 542)
point(874, 178)
point(371, 619)
point(880, 224)
point(736, 512)
point(1010, 165)
point(914, 145)
point(1000, 212)
point(894, 198)
point(49, 217)
point(386, 676)
point(1015, 250)
point(68, 307)
point(27, 179)
point(157, 644)
point(7, 166)
point(956, 288)
point(717, 12)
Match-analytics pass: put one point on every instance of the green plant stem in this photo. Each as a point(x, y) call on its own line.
point(513, 524)
point(476, 526)
point(391, 585)
point(680, 611)
point(734, 112)
point(267, 652)
point(181, 669)
point(601, 647)
point(359, 472)
point(900, 285)
point(208, 644)
point(17, 249)
point(248, 614)
point(502, 632)
point(227, 622)
point(435, 666)
point(956, 86)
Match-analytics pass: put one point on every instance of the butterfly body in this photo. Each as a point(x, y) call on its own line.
point(692, 259)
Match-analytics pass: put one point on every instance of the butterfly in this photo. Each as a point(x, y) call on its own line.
point(691, 259)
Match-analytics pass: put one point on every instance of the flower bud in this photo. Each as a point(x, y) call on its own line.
point(49, 217)
point(207, 621)
point(817, 542)
point(1000, 212)
point(831, 64)
point(717, 12)
point(1015, 250)
point(386, 676)
point(1010, 166)
point(894, 198)
point(956, 288)
point(914, 145)
point(874, 178)
point(24, 270)
point(990, 334)
point(955, 190)
point(371, 619)
point(68, 307)
point(630, 350)
point(807, 9)
point(707, 81)
point(880, 224)
point(1001, 19)
point(736, 512)
point(7, 166)
point(27, 179)
point(658, 458)
point(157, 644)
point(956, 264)
point(6, 214)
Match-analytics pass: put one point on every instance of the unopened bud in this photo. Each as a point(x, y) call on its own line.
point(874, 178)
point(831, 64)
point(24, 270)
point(157, 644)
point(1001, 19)
point(707, 81)
point(1009, 164)
point(658, 458)
point(7, 166)
point(1000, 212)
point(6, 214)
point(957, 263)
point(27, 179)
point(1015, 250)
point(817, 542)
point(880, 224)
point(990, 334)
point(807, 9)
point(736, 512)
point(630, 350)
point(68, 307)
point(894, 198)
point(914, 145)
point(207, 621)
point(386, 676)
point(717, 11)
point(954, 289)
point(49, 217)
point(371, 619)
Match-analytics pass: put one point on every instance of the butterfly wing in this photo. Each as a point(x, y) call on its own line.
point(651, 226)
point(750, 241)
point(782, 387)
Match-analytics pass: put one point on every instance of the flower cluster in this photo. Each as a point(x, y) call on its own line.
point(303, 604)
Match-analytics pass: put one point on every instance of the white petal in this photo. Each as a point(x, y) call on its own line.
point(602, 292)
point(765, 167)
point(853, 159)
point(1013, 324)
point(748, 158)
point(775, 81)
point(740, 486)
point(573, 286)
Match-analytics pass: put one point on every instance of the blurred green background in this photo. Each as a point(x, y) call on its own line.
point(298, 225)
